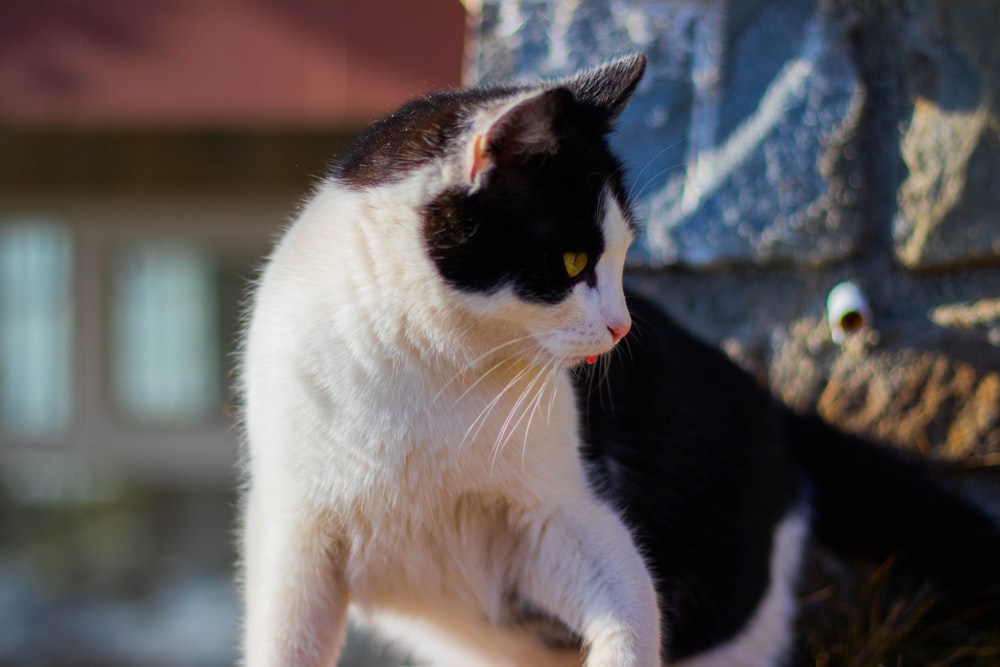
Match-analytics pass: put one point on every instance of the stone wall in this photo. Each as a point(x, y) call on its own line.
point(779, 147)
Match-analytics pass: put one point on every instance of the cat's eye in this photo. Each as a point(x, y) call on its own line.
point(575, 263)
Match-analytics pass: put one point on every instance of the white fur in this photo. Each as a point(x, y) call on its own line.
point(766, 641)
point(413, 451)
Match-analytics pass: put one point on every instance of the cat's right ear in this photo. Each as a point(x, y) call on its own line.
point(528, 127)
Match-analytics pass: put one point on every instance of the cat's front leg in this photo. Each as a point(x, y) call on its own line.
point(295, 593)
point(587, 571)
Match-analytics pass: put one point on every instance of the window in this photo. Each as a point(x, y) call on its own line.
point(165, 343)
point(36, 314)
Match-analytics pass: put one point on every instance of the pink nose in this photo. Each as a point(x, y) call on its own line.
point(618, 332)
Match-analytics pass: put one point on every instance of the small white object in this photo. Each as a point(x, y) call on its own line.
point(847, 310)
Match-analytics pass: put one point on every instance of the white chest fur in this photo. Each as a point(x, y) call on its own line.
point(418, 464)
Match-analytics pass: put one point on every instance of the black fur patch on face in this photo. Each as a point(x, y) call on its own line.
point(530, 212)
point(422, 130)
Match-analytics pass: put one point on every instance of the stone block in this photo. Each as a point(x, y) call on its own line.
point(931, 390)
point(917, 399)
point(741, 140)
point(949, 203)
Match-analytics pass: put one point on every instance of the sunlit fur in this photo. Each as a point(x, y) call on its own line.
point(413, 446)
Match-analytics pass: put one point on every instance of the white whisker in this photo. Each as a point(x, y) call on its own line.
point(604, 382)
point(484, 413)
point(552, 372)
point(635, 180)
point(475, 361)
point(557, 368)
point(652, 180)
point(507, 430)
point(480, 379)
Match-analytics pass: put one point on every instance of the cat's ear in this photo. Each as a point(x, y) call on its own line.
point(529, 127)
point(607, 89)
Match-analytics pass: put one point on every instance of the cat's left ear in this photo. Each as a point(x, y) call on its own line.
point(607, 89)
point(529, 127)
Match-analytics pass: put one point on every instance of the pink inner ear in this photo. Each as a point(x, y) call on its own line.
point(479, 158)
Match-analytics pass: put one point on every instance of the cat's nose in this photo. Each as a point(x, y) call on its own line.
point(618, 331)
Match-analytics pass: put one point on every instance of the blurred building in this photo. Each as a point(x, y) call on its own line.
point(149, 154)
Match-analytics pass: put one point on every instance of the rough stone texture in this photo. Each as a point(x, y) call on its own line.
point(949, 205)
point(916, 398)
point(740, 140)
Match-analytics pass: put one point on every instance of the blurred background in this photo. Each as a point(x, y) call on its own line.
point(150, 152)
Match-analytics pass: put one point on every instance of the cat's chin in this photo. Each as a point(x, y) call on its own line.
point(571, 360)
point(577, 358)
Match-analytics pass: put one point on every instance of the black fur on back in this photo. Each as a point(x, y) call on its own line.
point(873, 502)
point(703, 463)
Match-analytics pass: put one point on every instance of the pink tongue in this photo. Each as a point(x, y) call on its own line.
point(590, 360)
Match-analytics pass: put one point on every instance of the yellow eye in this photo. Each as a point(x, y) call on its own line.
point(575, 262)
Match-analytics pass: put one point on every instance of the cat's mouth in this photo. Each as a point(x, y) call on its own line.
point(589, 360)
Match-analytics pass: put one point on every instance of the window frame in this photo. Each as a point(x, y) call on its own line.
point(237, 228)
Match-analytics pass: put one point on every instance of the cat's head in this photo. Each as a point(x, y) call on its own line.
point(530, 225)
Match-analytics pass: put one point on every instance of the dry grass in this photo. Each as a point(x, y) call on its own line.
point(867, 616)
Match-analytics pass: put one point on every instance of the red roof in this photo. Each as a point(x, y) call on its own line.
point(156, 63)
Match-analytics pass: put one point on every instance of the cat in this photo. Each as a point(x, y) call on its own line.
point(431, 447)
point(412, 433)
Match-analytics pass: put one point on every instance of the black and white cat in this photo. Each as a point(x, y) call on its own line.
point(418, 452)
